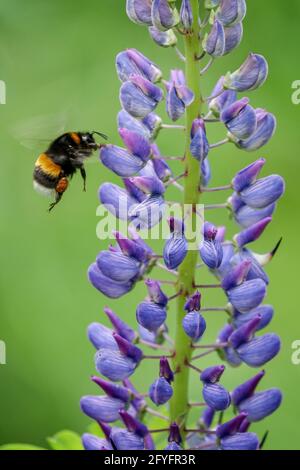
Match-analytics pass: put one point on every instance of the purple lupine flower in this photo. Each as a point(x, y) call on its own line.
point(263, 192)
point(151, 315)
point(214, 42)
point(132, 62)
point(247, 389)
point(240, 441)
point(252, 233)
point(261, 404)
point(147, 175)
point(266, 312)
point(248, 295)
point(91, 442)
point(163, 38)
point(199, 143)
point(251, 75)
point(266, 126)
point(240, 119)
point(139, 96)
point(175, 249)
point(233, 37)
point(102, 408)
point(231, 11)
point(139, 11)
point(186, 15)
point(126, 440)
point(178, 95)
point(211, 250)
point(260, 350)
point(247, 176)
point(164, 15)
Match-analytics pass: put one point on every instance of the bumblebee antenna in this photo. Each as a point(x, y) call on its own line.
point(100, 134)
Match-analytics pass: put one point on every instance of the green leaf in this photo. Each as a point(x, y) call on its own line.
point(95, 429)
point(65, 440)
point(20, 447)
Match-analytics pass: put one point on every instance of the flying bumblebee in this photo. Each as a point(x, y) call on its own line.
point(65, 155)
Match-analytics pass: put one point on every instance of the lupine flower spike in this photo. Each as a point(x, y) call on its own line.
point(124, 403)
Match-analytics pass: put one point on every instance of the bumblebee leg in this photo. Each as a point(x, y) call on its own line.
point(61, 187)
point(83, 175)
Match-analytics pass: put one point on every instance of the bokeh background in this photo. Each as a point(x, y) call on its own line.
point(57, 58)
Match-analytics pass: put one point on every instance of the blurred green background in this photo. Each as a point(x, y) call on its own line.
point(58, 57)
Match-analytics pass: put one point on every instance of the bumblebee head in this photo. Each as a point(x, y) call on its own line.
point(89, 140)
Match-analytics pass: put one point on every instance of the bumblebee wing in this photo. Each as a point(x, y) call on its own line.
point(36, 132)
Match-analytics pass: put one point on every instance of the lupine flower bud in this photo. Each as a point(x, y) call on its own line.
point(205, 173)
point(248, 175)
point(214, 42)
point(101, 336)
point(148, 184)
point(160, 391)
point(155, 293)
point(255, 271)
point(199, 144)
point(135, 248)
point(263, 192)
point(117, 266)
point(178, 95)
point(186, 15)
point(139, 11)
point(162, 169)
point(251, 75)
point(230, 427)
point(119, 325)
point(120, 161)
point(194, 325)
point(266, 126)
point(222, 100)
point(193, 303)
point(164, 15)
point(126, 440)
point(261, 404)
point(235, 202)
point(150, 315)
point(165, 369)
point(236, 276)
point(247, 389)
point(244, 333)
point(126, 121)
point(266, 313)
point(139, 97)
point(240, 119)
point(107, 286)
point(148, 213)
point(114, 365)
point(252, 233)
point(259, 350)
point(91, 442)
point(163, 38)
point(103, 408)
point(248, 295)
point(211, 250)
point(233, 37)
point(240, 441)
point(231, 11)
point(211, 375)
point(216, 396)
point(228, 353)
point(128, 349)
point(247, 216)
point(176, 247)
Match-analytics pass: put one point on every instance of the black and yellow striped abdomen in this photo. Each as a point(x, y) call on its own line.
point(46, 174)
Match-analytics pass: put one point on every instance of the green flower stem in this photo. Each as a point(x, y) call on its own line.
point(186, 276)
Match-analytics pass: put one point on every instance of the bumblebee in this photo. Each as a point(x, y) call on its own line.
point(65, 155)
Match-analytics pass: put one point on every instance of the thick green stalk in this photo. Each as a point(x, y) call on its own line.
point(179, 402)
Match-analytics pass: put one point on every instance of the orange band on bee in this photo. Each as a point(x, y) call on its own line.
point(75, 137)
point(62, 185)
point(48, 166)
